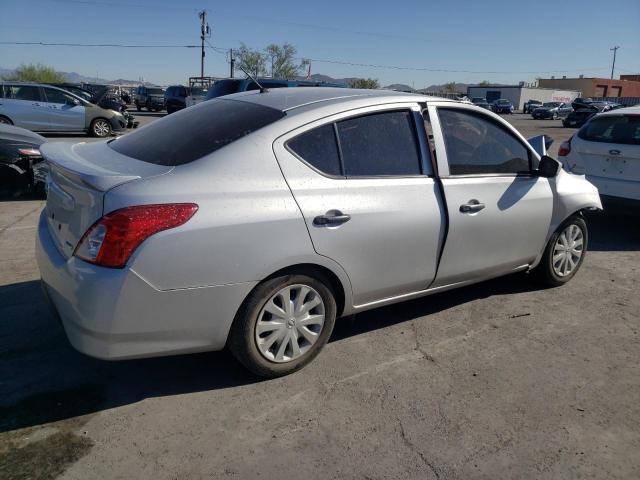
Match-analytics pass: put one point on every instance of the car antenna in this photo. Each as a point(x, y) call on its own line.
point(262, 89)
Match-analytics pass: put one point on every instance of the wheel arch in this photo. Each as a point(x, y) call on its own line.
point(5, 116)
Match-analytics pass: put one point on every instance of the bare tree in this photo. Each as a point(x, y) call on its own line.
point(283, 61)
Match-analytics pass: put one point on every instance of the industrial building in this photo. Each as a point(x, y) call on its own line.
point(519, 94)
point(626, 86)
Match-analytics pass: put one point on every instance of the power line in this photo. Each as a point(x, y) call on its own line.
point(317, 60)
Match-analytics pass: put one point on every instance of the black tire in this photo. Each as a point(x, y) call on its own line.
point(544, 272)
point(5, 120)
point(242, 343)
point(100, 127)
point(138, 107)
point(554, 116)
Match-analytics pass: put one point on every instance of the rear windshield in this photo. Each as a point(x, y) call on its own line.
point(194, 132)
point(624, 129)
point(154, 91)
point(223, 87)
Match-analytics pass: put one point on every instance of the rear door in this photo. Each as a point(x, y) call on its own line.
point(64, 114)
point(499, 210)
point(25, 106)
point(609, 148)
point(368, 197)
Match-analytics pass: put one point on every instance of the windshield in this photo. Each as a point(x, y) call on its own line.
point(223, 87)
point(478, 100)
point(155, 91)
point(502, 102)
point(551, 104)
point(195, 132)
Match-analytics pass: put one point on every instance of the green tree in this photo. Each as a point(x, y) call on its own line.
point(36, 73)
point(251, 61)
point(283, 61)
point(484, 83)
point(371, 83)
point(450, 87)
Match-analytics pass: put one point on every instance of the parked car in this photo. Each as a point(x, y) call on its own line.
point(481, 102)
point(76, 90)
point(607, 150)
point(175, 98)
point(502, 105)
point(240, 222)
point(151, 98)
point(196, 95)
point(578, 118)
point(552, 110)
point(19, 154)
point(531, 105)
point(580, 102)
point(44, 108)
point(228, 86)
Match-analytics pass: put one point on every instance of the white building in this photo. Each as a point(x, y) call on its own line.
point(519, 94)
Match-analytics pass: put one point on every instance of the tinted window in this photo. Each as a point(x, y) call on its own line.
point(195, 132)
point(623, 129)
point(318, 147)
point(476, 145)
point(23, 92)
point(155, 91)
point(56, 96)
point(379, 144)
point(223, 87)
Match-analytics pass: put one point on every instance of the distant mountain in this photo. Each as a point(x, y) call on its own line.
point(74, 77)
point(401, 87)
point(459, 88)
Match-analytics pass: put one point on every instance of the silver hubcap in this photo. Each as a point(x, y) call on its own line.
point(568, 250)
point(101, 128)
point(290, 323)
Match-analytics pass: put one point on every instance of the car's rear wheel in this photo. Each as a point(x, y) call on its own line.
point(564, 253)
point(5, 120)
point(283, 324)
point(101, 128)
point(138, 108)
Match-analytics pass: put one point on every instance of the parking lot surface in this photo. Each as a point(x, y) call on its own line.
point(496, 380)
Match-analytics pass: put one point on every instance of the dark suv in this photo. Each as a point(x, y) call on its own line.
point(151, 98)
point(175, 98)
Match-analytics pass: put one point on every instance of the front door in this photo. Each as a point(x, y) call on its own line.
point(64, 114)
point(368, 198)
point(499, 210)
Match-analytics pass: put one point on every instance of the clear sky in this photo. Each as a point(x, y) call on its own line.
point(470, 38)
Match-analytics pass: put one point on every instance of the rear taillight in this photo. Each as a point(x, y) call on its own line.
point(112, 239)
point(29, 152)
point(565, 148)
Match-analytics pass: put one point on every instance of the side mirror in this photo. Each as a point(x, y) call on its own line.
point(541, 144)
point(548, 167)
point(73, 101)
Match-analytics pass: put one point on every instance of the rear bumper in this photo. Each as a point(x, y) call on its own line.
point(616, 188)
point(114, 314)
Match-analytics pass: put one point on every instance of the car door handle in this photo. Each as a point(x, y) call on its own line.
point(331, 218)
point(471, 207)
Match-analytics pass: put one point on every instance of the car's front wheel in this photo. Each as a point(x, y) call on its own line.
point(564, 253)
point(283, 324)
point(100, 127)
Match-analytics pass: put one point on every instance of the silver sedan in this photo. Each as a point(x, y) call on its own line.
point(256, 219)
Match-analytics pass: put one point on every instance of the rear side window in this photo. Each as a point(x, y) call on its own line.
point(382, 144)
point(23, 92)
point(195, 132)
point(623, 129)
point(318, 147)
point(477, 145)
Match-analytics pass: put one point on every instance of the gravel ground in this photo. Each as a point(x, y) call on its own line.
point(496, 380)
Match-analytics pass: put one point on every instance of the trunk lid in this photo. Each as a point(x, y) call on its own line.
point(79, 177)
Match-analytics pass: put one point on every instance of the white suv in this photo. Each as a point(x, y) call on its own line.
point(607, 151)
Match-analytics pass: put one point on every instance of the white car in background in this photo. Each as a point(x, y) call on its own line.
point(196, 95)
point(607, 150)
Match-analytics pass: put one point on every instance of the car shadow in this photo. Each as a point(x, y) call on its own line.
point(43, 379)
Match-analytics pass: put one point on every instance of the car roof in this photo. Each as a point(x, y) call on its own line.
point(295, 98)
point(621, 111)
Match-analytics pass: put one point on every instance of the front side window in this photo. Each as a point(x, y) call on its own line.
point(381, 144)
point(476, 145)
point(624, 129)
point(56, 96)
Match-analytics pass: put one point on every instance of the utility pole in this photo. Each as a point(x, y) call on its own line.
point(204, 32)
point(613, 65)
point(232, 61)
